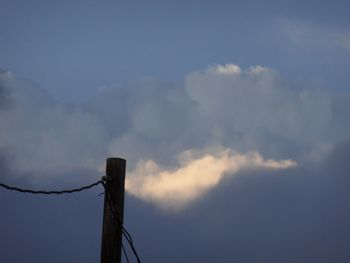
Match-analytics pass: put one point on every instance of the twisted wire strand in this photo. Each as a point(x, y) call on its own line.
point(55, 192)
point(125, 233)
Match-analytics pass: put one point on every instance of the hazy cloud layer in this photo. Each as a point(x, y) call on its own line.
point(242, 110)
point(310, 35)
point(45, 137)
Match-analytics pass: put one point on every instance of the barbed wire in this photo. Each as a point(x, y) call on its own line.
point(55, 192)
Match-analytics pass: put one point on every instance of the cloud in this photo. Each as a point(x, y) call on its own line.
point(309, 35)
point(4, 99)
point(243, 110)
point(44, 137)
point(198, 172)
point(227, 69)
point(258, 102)
point(292, 215)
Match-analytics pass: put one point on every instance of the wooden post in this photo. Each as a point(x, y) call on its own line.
point(111, 232)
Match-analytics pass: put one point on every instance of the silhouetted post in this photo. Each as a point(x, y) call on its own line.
point(112, 232)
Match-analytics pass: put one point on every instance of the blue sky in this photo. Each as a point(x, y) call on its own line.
point(72, 48)
point(232, 115)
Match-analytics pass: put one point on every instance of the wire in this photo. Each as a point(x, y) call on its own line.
point(115, 216)
point(70, 191)
point(125, 254)
point(131, 243)
point(119, 223)
point(117, 220)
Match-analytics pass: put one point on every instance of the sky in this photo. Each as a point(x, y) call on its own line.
point(232, 116)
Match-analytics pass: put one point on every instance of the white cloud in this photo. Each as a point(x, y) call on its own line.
point(228, 69)
point(198, 172)
point(258, 99)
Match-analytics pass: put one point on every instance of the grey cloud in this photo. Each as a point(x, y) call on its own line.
point(242, 110)
point(296, 215)
point(43, 136)
point(4, 98)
